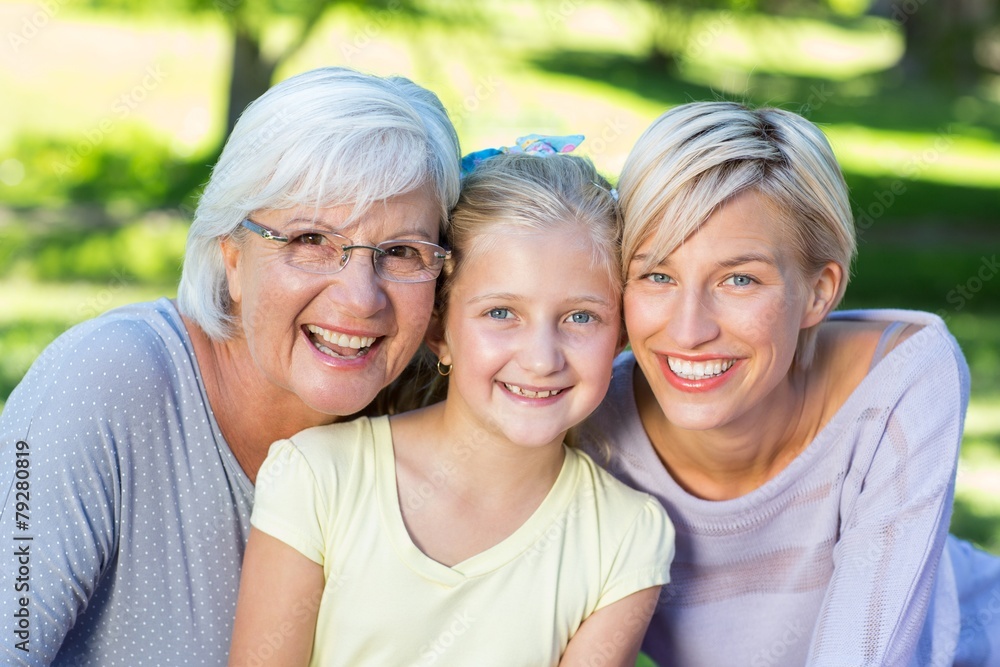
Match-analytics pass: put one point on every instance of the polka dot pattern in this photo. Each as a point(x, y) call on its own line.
point(139, 512)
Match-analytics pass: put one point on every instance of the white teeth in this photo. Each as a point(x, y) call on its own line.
point(527, 393)
point(341, 339)
point(699, 370)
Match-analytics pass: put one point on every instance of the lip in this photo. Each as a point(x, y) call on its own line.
point(528, 400)
point(695, 386)
point(342, 362)
point(346, 339)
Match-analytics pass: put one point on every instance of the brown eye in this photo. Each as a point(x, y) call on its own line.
point(311, 238)
point(401, 252)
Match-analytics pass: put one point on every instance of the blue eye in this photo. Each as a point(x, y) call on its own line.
point(581, 318)
point(661, 278)
point(740, 280)
point(499, 313)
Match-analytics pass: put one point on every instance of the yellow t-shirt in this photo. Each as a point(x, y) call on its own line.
point(330, 493)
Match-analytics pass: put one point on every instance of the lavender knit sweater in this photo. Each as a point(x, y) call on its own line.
point(844, 557)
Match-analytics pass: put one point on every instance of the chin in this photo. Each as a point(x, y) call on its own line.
point(696, 421)
point(534, 439)
point(339, 399)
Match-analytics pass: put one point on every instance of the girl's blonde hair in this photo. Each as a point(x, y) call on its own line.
point(521, 193)
point(696, 157)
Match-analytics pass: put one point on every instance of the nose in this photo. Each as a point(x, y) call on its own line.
point(348, 251)
point(692, 320)
point(356, 289)
point(541, 351)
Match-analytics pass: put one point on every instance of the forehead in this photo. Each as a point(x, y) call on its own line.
point(547, 263)
point(749, 223)
point(414, 212)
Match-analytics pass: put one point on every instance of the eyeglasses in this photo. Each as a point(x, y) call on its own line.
point(398, 261)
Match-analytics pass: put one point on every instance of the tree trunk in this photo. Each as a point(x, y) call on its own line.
point(252, 74)
point(939, 39)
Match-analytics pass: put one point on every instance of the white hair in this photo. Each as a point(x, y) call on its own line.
point(328, 137)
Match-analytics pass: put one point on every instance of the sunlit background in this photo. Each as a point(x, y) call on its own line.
point(111, 113)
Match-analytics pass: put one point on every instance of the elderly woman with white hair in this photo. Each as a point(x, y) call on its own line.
point(131, 447)
point(807, 458)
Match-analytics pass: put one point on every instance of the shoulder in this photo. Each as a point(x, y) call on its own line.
point(855, 338)
point(348, 436)
point(614, 500)
point(128, 356)
point(627, 534)
point(128, 339)
point(316, 473)
point(854, 344)
point(331, 450)
point(865, 329)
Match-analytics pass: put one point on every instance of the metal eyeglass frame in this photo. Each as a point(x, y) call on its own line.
point(272, 235)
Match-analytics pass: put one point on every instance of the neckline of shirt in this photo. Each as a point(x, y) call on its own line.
point(493, 558)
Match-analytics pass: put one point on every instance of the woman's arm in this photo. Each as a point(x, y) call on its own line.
point(614, 632)
point(276, 611)
point(895, 509)
point(58, 513)
point(65, 441)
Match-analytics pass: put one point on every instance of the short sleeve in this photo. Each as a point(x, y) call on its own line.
point(289, 503)
point(644, 555)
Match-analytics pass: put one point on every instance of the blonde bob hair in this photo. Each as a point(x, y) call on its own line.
point(328, 137)
point(696, 157)
point(523, 193)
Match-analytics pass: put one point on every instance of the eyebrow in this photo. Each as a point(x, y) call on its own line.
point(727, 263)
point(748, 258)
point(510, 296)
point(324, 226)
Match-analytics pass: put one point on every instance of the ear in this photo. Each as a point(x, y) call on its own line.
point(230, 259)
point(823, 288)
point(436, 338)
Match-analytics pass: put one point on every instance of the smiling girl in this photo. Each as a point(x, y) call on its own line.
point(468, 532)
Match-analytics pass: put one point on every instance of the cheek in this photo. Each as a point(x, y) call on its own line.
point(413, 314)
point(601, 359)
point(271, 299)
point(641, 315)
point(770, 323)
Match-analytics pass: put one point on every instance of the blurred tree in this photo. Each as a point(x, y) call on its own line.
point(670, 27)
point(252, 66)
point(265, 33)
point(671, 24)
point(941, 38)
point(948, 43)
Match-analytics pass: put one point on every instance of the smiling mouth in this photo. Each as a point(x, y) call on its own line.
point(699, 370)
point(339, 345)
point(527, 393)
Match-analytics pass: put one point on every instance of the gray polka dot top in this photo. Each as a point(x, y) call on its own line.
point(125, 513)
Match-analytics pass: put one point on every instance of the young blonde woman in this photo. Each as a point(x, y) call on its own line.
point(806, 457)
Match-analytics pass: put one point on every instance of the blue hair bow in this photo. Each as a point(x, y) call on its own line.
point(537, 144)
